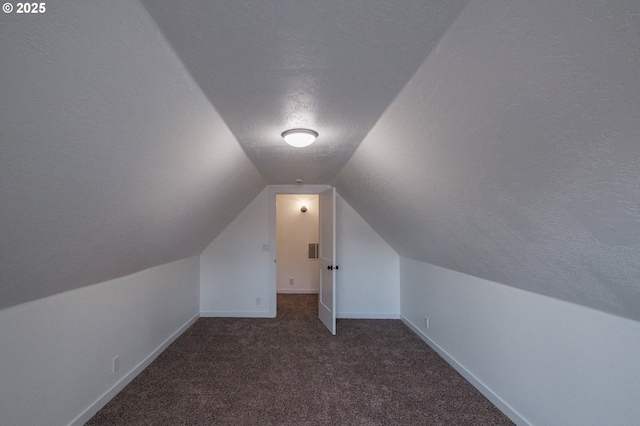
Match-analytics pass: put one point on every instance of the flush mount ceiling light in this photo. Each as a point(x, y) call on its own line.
point(299, 137)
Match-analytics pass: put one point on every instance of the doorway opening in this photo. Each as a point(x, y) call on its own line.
point(297, 263)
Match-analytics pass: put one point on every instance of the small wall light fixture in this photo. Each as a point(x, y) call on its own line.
point(299, 137)
point(303, 209)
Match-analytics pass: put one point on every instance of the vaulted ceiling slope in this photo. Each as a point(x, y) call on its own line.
point(514, 153)
point(333, 66)
point(112, 159)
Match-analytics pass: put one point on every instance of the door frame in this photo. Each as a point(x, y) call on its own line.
point(273, 191)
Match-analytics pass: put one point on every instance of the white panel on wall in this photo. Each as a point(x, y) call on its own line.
point(295, 230)
point(57, 352)
point(234, 278)
point(368, 281)
point(541, 360)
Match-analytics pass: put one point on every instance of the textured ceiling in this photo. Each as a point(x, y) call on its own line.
point(516, 153)
point(268, 66)
point(499, 139)
point(112, 159)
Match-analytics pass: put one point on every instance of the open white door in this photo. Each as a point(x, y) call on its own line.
point(327, 252)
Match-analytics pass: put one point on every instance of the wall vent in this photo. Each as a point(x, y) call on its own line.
point(313, 250)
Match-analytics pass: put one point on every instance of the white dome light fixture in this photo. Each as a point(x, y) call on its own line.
point(299, 137)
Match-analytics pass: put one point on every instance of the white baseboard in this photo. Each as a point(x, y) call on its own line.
point(294, 291)
point(238, 314)
point(108, 395)
point(366, 315)
point(488, 393)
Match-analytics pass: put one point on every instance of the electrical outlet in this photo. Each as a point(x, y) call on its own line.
point(258, 301)
point(116, 363)
point(290, 281)
point(426, 322)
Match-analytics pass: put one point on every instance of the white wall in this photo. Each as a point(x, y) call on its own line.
point(541, 360)
point(368, 281)
point(57, 352)
point(236, 269)
point(294, 231)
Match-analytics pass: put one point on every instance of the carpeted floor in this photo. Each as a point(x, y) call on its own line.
point(291, 371)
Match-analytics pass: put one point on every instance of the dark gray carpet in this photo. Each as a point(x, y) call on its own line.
point(291, 371)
